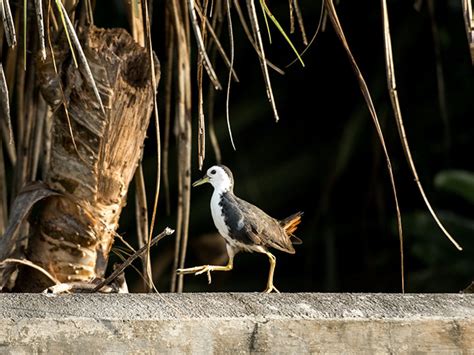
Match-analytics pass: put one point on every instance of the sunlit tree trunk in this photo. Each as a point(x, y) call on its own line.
point(93, 155)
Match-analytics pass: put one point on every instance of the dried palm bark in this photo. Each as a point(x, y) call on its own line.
point(93, 156)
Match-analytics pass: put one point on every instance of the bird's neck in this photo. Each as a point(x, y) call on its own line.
point(222, 189)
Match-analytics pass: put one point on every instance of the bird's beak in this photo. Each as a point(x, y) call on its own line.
point(201, 181)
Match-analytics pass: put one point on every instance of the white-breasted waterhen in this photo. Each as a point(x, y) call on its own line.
point(244, 226)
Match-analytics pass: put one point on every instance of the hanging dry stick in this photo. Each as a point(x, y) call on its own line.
point(368, 99)
point(135, 16)
point(167, 94)
point(299, 16)
point(202, 49)
point(215, 39)
point(153, 62)
point(40, 23)
point(258, 38)
point(292, 16)
point(469, 23)
point(211, 93)
point(392, 87)
point(229, 80)
point(200, 99)
point(246, 29)
point(318, 28)
point(183, 119)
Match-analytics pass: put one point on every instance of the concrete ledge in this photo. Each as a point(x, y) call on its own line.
point(241, 323)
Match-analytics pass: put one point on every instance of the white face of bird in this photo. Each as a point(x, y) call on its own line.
point(218, 177)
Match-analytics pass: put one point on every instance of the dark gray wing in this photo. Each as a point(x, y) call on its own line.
point(250, 225)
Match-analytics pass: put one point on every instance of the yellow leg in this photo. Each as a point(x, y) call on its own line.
point(270, 286)
point(197, 270)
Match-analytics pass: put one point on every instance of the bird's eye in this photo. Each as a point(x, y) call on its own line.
point(213, 172)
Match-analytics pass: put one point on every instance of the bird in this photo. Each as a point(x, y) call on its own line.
point(244, 227)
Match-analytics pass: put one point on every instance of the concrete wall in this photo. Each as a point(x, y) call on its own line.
point(236, 323)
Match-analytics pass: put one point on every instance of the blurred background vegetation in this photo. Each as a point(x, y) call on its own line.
point(324, 158)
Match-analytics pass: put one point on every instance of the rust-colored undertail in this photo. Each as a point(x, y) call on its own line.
point(290, 224)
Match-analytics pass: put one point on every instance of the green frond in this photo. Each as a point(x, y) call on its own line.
point(282, 31)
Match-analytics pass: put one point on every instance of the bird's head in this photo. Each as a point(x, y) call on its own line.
point(219, 176)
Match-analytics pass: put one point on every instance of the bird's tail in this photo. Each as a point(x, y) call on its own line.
point(290, 224)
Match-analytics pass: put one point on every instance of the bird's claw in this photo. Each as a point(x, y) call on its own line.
point(207, 269)
point(271, 288)
point(197, 270)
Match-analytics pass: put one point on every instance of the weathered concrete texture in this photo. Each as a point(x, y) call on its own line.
point(236, 323)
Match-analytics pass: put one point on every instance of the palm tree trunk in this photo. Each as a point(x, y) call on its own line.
point(93, 155)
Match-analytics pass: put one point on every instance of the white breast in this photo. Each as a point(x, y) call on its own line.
point(216, 211)
point(217, 216)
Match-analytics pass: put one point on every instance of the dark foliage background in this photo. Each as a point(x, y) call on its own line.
point(323, 157)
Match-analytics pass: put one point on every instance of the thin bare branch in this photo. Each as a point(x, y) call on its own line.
point(135, 14)
point(292, 16)
point(211, 94)
point(40, 22)
point(258, 37)
point(140, 274)
point(131, 259)
point(392, 87)
point(251, 40)
point(8, 24)
point(216, 40)
point(202, 49)
point(32, 265)
point(183, 131)
point(231, 41)
point(154, 81)
point(299, 16)
point(212, 130)
point(318, 28)
point(368, 99)
point(201, 121)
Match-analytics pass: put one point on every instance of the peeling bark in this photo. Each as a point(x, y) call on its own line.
point(74, 232)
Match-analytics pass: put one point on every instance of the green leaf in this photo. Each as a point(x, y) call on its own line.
point(282, 31)
point(458, 182)
point(266, 21)
point(63, 20)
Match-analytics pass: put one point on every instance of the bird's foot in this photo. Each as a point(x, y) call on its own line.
point(271, 288)
point(198, 270)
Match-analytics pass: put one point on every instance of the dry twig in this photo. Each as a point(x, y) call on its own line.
point(368, 99)
point(392, 87)
point(131, 259)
